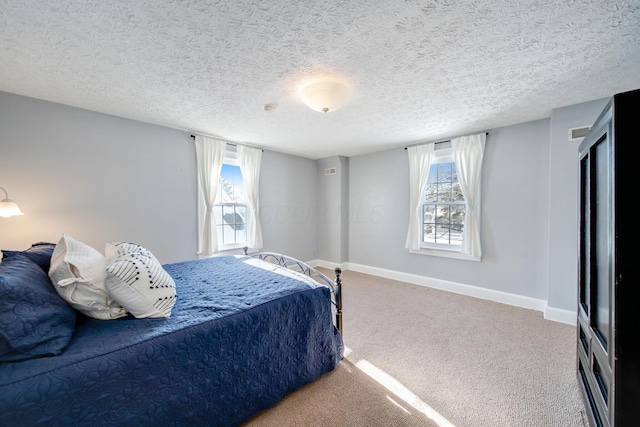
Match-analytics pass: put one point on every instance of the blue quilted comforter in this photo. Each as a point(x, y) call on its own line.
point(242, 335)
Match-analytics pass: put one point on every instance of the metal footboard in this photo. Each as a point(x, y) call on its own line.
point(335, 286)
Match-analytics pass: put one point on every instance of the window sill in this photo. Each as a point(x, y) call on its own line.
point(236, 249)
point(445, 253)
point(233, 247)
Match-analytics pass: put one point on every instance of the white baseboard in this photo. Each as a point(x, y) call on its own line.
point(326, 264)
point(554, 314)
point(560, 315)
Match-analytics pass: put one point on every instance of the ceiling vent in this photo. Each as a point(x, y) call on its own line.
point(578, 133)
point(330, 171)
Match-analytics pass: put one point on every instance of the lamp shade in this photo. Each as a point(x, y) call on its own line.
point(324, 96)
point(8, 207)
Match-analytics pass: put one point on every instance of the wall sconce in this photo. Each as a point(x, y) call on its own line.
point(324, 95)
point(8, 207)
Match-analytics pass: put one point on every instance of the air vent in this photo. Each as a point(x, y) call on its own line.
point(578, 133)
point(330, 171)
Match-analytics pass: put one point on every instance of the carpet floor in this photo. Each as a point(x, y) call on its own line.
point(417, 356)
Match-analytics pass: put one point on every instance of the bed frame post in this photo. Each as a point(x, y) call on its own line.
point(338, 272)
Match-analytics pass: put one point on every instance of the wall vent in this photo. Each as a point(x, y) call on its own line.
point(330, 171)
point(578, 133)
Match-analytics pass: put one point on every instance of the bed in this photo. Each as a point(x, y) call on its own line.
point(244, 332)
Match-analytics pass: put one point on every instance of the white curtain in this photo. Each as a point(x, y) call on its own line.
point(209, 156)
point(468, 152)
point(250, 159)
point(420, 157)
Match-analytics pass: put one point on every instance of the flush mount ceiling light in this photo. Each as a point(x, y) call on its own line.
point(324, 95)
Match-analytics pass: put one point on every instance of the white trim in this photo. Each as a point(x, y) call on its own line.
point(553, 314)
point(445, 253)
point(231, 246)
point(560, 315)
point(459, 288)
point(330, 265)
point(325, 264)
point(236, 250)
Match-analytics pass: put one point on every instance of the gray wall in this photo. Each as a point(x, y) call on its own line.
point(514, 220)
point(344, 210)
point(101, 178)
point(333, 210)
point(97, 178)
point(563, 202)
point(288, 205)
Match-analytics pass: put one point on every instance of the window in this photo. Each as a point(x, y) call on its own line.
point(230, 208)
point(228, 184)
point(444, 198)
point(444, 208)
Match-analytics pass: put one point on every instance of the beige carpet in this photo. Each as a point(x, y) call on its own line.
point(444, 359)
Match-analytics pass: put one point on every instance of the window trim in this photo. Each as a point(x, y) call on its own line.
point(443, 153)
point(231, 246)
point(448, 252)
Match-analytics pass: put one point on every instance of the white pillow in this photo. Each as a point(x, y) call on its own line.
point(138, 282)
point(78, 272)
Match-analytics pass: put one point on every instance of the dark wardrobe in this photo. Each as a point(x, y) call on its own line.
point(608, 332)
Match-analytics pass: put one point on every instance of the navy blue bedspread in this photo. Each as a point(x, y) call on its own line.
point(239, 338)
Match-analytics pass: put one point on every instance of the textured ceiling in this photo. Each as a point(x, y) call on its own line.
point(420, 69)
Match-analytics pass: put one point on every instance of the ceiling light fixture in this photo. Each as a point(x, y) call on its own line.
point(324, 95)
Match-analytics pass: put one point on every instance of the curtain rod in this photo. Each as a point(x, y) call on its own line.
point(229, 142)
point(436, 143)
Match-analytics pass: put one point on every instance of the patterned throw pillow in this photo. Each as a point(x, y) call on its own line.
point(78, 272)
point(138, 282)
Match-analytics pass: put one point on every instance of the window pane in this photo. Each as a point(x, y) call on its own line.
point(228, 235)
point(231, 185)
point(444, 192)
point(241, 234)
point(241, 215)
point(442, 214)
point(429, 233)
point(457, 214)
point(228, 214)
point(456, 193)
point(456, 234)
point(444, 211)
point(431, 193)
point(444, 172)
point(442, 234)
point(433, 174)
point(428, 222)
point(429, 213)
point(231, 223)
point(217, 213)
